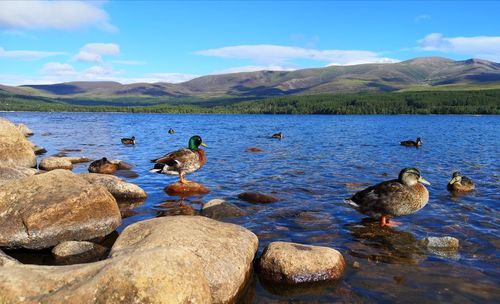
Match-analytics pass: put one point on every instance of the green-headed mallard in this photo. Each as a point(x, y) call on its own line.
point(459, 183)
point(411, 143)
point(398, 197)
point(171, 131)
point(128, 141)
point(182, 161)
point(278, 135)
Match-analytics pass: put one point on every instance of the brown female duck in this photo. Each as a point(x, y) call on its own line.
point(459, 183)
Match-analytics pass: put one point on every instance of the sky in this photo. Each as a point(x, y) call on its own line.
point(43, 42)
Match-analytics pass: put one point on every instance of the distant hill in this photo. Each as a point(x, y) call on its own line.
point(427, 73)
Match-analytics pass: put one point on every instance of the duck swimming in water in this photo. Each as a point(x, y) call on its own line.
point(182, 161)
point(278, 135)
point(402, 196)
point(171, 131)
point(411, 143)
point(459, 183)
point(128, 141)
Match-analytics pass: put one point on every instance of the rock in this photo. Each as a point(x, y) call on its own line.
point(73, 252)
point(254, 197)
point(103, 166)
point(43, 210)
point(157, 275)
point(6, 260)
point(15, 149)
point(172, 208)
point(121, 164)
point(121, 190)
point(225, 251)
point(219, 209)
point(254, 149)
point(296, 263)
point(39, 150)
point(356, 265)
point(25, 130)
point(126, 174)
point(53, 163)
point(190, 189)
point(10, 173)
point(444, 242)
point(77, 159)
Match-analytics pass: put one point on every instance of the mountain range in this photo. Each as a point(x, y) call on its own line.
point(426, 73)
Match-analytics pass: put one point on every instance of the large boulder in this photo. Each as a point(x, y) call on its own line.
point(296, 263)
point(120, 189)
point(45, 209)
point(10, 173)
point(15, 149)
point(225, 251)
point(156, 275)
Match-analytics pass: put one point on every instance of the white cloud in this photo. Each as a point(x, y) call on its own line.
point(67, 15)
point(487, 47)
point(26, 55)
point(269, 54)
point(58, 69)
point(93, 52)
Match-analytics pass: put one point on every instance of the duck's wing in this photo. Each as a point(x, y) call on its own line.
point(177, 157)
point(380, 199)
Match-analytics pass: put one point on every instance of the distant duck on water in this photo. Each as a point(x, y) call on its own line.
point(278, 135)
point(411, 143)
point(128, 141)
point(460, 183)
point(392, 198)
point(182, 161)
point(171, 131)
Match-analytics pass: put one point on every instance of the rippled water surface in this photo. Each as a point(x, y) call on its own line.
point(321, 160)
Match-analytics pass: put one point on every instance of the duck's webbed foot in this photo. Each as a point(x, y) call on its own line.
point(183, 180)
point(386, 222)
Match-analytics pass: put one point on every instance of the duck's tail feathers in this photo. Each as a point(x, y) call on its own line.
point(158, 168)
point(351, 203)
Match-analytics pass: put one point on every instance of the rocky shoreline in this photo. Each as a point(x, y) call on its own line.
point(171, 259)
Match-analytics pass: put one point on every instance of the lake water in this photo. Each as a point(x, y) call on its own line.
point(321, 161)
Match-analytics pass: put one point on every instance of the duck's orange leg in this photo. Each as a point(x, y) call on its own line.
point(183, 180)
point(385, 221)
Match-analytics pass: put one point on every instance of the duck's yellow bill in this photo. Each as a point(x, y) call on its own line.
point(423, 181)
point(203, 144)
point(452, 181)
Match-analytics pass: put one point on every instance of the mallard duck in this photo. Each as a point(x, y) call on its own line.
point(128, 141)
point(460, 183)
point(278, 135)
point(398, 197)
point(103, 166)
point(411, 143)
point(171, 131)
point(182, 161)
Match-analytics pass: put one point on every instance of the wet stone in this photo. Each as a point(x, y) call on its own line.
point(189, 189)
point(254, 197)
point(73, 252)
point(219, 209)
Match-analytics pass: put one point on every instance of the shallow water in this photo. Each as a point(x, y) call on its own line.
point(321, 160)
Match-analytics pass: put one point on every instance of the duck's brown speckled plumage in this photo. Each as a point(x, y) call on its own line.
point(461, 183)
point(392, 198)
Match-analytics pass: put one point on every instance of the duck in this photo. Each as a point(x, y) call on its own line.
point(182, 161)
point(278, 135)
point(393, 198)
point(171, 131)
point(103, 166)
point(411, 143)
point(128, 141)
point(460, 183)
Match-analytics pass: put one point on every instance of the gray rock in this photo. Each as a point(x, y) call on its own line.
point(73, 252)
point(10, 173)
point(444, 242)
point(294, 263)
point(219, 209)
point(254, 197)
point(39, 150)
point(121, 190)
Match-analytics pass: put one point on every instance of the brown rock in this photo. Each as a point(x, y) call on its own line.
point(157, 275)
point(15, 149)
point(225, 251)
point(10, 173)
point(73, 252)
point(6, 260)
point(53, 163)
point(189, 189)
point(121, 190)
point(121, 165)
point(45, 209)
point(25, 130)
point(296, 263)
point(219, 209)
point(254, 197)
point(254, 149)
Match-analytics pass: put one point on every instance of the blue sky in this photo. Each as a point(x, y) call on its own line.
point(151, 41)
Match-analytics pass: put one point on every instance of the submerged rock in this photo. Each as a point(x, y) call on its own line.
point(121, 190)
point(15, 149)
point(254, 197)
point(73, 252)
point(296, 263)
point(43, 210)
point(39, 150)
point(121, 165)
point(189, 189)
point(219, 209)
point(444, 242)
point(254, 149)
point(223, 252)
